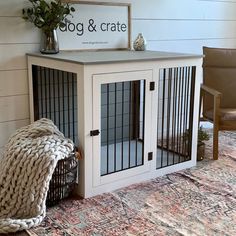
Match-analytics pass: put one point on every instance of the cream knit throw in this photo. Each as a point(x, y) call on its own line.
point(26, 168)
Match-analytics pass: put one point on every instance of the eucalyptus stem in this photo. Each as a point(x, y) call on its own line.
point(47, 15)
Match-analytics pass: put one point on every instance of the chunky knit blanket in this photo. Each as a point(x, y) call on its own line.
point(26, 168)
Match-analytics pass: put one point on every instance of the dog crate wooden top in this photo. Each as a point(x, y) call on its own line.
point(104, 57)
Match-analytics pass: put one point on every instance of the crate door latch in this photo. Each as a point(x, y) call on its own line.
point(150, 156)
point(152, 86)
point(94, 132)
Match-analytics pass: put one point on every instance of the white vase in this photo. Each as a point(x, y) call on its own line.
point(140, 43)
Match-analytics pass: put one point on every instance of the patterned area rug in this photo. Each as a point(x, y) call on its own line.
point(16, 234)
point(198, 201)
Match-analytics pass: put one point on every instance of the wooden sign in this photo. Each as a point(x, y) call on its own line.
point(96, 25)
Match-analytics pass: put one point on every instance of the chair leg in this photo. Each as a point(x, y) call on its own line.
point(216, 121)
point(215, 142)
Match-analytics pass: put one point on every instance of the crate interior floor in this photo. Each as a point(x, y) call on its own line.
point(130, 159)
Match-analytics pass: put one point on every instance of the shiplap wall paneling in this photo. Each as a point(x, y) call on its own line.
point(161, 9)
point(13, 56)
point(193, 46)
point(18, 31)
point(184, 29)
point(184, 9)
point(9, 79)
point(7, 128)
point(14, 107)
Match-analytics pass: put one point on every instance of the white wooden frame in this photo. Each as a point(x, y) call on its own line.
point(88, 78)
point(88, 40)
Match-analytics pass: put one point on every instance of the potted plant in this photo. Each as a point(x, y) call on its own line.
point(202, 136)
point(47, 16)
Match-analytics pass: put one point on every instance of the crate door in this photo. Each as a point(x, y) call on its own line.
point(121, 114)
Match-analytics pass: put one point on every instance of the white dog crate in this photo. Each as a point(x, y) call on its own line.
point(135, 114)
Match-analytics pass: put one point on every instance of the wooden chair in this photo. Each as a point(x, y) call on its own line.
point(218, 91)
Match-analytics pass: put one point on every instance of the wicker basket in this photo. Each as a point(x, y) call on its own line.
point(63, 180)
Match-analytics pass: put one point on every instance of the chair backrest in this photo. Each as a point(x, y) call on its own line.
point(219, 73)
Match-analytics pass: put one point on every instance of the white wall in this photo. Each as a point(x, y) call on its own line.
point(168, 25)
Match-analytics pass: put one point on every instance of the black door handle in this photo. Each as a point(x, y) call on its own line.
point(94, 132)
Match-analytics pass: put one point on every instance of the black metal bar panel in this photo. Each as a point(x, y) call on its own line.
point(68, 102)
point(122, 126)
point(168, 114)
point(59, 100)
point(175, 116)
point(191, 107)
point(115, 121)
point(50, 110)
point(121, 123)
point(36, 92)
point(174, 112)
point(73, 88)
point(63, 101)
point(143, 120)
point(162, 117)
point(54, 95)
point(181, 113)
point(108, 111)
point(130, 127)
point(55, 99)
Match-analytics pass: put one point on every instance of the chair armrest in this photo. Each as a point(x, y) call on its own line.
point(217, 100)
point(211, 91)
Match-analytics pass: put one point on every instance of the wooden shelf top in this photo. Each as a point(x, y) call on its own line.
point(104, 57)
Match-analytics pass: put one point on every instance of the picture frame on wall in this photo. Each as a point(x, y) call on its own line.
point(97, 26)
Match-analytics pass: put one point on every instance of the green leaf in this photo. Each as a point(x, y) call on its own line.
point(62, 25)
point(47, 14)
